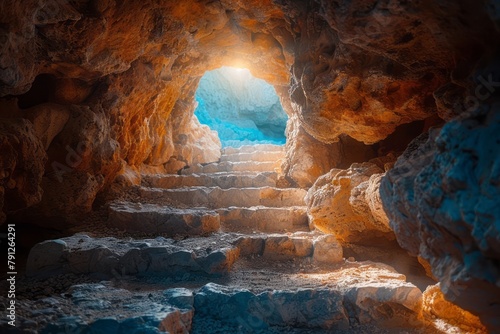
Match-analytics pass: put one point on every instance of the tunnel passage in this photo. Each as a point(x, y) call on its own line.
point(241, 108)
point(121, 77)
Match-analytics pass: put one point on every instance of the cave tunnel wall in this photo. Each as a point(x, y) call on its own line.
point(97, 92)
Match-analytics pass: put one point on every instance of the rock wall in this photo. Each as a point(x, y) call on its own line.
point(97, 91)
point(357, 72)
point(21, 166)
point(442, 198)
point(125, 77)
point(349, 68)
point(435, 305)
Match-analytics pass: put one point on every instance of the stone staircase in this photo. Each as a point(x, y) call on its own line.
point(237, 194)
point(233, 253)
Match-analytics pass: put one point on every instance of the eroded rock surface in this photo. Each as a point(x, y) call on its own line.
point(21, 165)
point(93, 307)
point(81, 254)
point(345, 203)
point(442, 198)
point(127, 73)
point(344, 68)
point(151, 218)
point(307, 158)
point(434, 304)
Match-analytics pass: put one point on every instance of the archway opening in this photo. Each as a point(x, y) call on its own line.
point(244, 110)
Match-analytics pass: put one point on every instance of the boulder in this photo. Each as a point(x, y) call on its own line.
point(46, 258)
point(346, 204)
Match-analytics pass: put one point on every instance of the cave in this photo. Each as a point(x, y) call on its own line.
point(242, 109)
point(368, 204)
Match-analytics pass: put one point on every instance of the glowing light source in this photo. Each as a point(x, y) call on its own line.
point(241, 108)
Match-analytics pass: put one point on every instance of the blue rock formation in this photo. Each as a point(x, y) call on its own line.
point(240, 107)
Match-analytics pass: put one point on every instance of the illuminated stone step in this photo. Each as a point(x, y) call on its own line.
point(368, 295)
point(226, 166)
point(253, 156)
point(312, 246)
point(223, 180)
point(213, 254)
point(82, 254)
point(254, 148)
point(153, 218)
point(264, 219)
point(224, 198)
point(167, 221)
point(279, 246)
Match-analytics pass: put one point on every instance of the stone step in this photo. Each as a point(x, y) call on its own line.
point(112, 257)
point(157, 219)
point(224, 198)
point(239, 308)
point(253, 156)
point(226, 166)
point(277, 246)
point(103, 308)
point(167, 221)
point(253, 148)
point(222, 180)
point(352, 298)
point(264, 219)
point(315, 247)
point(190, 257)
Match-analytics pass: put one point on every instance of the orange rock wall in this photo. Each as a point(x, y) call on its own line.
point(114, 82)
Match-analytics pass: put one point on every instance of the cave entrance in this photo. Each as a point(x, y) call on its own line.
point(244, 110)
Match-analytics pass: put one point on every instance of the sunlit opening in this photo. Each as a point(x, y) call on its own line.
point(243, 110)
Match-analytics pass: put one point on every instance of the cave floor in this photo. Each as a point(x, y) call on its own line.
point(238, 273)
point(69, 302)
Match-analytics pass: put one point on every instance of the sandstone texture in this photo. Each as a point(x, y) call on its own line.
point(327, 249)
point(307, 158)
point(95, 94)
point(132, 70)
point(434, 304)
point(442, 198)
point(346, 204)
